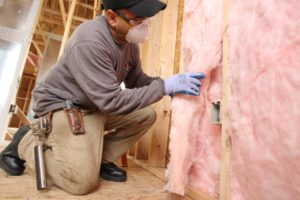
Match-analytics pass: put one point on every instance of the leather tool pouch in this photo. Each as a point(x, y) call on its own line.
point(42, 126)
point(75, 120)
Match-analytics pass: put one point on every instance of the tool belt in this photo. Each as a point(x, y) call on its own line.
point(75, 120)
point(42, 126)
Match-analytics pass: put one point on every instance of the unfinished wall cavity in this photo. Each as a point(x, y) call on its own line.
point(263, 111)
point(194, 141)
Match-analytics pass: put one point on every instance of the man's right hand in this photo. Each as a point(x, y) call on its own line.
point(187, 83)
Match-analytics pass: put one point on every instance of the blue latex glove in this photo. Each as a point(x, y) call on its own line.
point(188, 83)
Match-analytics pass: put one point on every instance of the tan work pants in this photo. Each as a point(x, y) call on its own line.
point(73, 161)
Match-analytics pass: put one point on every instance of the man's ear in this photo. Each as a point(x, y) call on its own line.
point(111, 18)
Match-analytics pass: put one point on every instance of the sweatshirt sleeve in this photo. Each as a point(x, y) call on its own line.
point(136, 77)
point(92, 67)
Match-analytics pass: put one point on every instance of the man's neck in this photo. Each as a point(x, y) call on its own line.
point(117, 37)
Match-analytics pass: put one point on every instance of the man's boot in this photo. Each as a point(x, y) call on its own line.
point(111, 172)
point(10, 161)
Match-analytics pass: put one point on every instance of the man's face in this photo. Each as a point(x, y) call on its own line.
point(121, 21)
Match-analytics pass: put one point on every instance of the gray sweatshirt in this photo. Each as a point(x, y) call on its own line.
point(90, 71)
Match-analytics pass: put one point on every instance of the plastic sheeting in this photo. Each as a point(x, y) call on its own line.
point(264, 49)
point(17, 21)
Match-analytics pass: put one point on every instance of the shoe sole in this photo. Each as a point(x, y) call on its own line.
point(114, 179)
point(7, 169)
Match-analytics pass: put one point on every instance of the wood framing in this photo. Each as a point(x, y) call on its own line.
point(22, 101)
point(162, 35)
point(91, 7)
point(165, 68)
point(150, 52)
point(177, 59)
point(68, 27)
point(96, 7)
point(62, 11)
point(39, 51)
point(54, 12)
point(17, 111)
point(225, 189)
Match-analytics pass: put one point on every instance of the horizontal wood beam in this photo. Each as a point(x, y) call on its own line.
point(42, 33)
point(10, 132)
point(54, 12)
point(39, 43)
point(19, 113)
point(82, 5)
point(57, 22)
point(26, 75)
point(52, 21)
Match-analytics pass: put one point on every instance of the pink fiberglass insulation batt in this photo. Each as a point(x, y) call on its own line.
point(265, 102)
point(264, 107)
point(194, 141)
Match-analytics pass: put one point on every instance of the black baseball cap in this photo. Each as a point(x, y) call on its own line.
point(142, 8)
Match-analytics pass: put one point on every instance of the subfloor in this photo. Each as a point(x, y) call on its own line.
point(140, 185)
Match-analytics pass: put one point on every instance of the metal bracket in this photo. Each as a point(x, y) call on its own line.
point(215, 112)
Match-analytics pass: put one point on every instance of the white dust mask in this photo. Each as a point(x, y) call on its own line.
point(138, 33)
